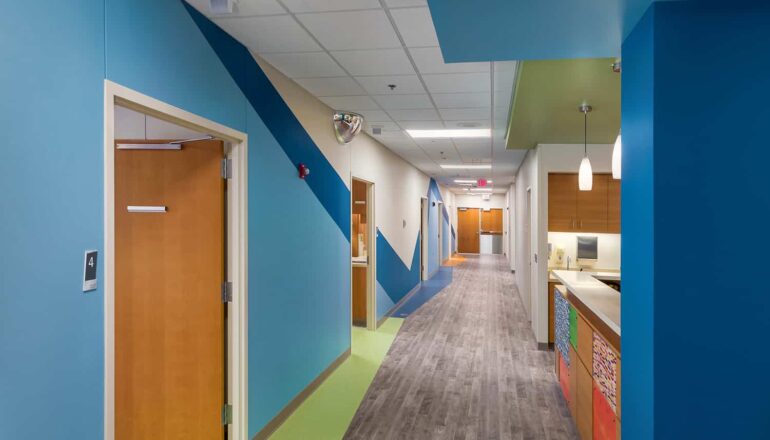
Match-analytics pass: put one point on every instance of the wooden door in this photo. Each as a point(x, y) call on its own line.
point(169, 315)
point(468, 230)
point(492, 221)
point(613, 206)
point(592, 206)
point(562, 202)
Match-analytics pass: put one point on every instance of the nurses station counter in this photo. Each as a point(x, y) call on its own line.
point(587, 355)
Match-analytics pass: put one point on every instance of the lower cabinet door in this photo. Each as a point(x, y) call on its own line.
point(584, 418)
point(604, 420)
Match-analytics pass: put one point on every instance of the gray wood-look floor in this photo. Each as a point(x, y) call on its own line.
point(466, 366)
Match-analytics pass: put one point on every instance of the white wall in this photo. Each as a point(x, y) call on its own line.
point(608, 246)
point(467, 201)
point(532, 281)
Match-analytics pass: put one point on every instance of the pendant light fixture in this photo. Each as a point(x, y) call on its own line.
point(616, 152)
point(585, 175)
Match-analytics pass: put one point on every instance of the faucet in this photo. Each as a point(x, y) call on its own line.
point(569, 258)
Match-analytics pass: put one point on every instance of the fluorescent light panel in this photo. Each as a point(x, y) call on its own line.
point(471, 181)
point(482, 190)
point(451, 133)
point(467, 167)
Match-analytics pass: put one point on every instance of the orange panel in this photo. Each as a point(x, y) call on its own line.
point(604, 418)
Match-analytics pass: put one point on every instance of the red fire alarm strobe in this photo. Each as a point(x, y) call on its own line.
point(482, 182)
point(303, 170)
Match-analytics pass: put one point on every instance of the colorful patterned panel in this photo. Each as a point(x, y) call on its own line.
point(564, 377)
point(573, 327)
point(561, 326)
point(606, 370)
point(604, 418)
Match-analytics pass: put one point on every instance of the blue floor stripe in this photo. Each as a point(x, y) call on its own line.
point(428, 290)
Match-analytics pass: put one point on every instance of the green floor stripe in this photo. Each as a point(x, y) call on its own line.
point(326, 414)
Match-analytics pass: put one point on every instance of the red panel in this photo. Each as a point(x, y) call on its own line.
point(604, 418)
point(564, 377)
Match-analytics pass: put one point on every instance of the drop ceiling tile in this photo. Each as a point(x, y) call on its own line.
point(421, 125)
point(403, 3)
point(375, 115)
point(415, 26)
point(430, 60)
point(299, 6)
point(463, 114)
point(435, 143)
point(353, 103)
point(304, 64)
point(468, 124)
point(259, 34)
point(444, 156)
point(405, 84)
point(351, 30)
point(469, 144)
point(400, 102)
point(458, 82)
point(462, 100)
point(426, 114)
point(337, 86)
point(385, 126)
point(375, 62)
point(242, 8)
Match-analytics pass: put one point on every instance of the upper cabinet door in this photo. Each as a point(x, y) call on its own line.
point(592, 206)
point(613, 206)
point(562, 202)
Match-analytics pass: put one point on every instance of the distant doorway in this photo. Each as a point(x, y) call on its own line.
point(424, 239)
point(363, 261)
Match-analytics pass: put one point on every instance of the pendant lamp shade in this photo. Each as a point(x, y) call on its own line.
point(585, 175)
point(616, 152)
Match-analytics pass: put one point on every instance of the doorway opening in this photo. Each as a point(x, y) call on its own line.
point(175, 348)
point(424, 239)
point(363, 255)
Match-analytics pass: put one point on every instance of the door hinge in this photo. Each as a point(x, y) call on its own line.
point(227, 414)
point(227, 168)
point(227, 291)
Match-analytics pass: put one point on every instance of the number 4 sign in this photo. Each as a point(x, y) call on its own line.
point(89, 271)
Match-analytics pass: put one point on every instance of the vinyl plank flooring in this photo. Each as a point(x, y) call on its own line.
point(465, 366)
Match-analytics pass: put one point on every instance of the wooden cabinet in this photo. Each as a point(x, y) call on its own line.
point(584, 397)
point(592, 206)
point(562, 202)
point(613, 206)
point(572, 210)
point(492, 221)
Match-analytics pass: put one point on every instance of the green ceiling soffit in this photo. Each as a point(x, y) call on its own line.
point(546, 100)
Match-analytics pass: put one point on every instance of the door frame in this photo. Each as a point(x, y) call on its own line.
point(424, 239)
point(440, 206)
point(371, 269)
point(236, 149)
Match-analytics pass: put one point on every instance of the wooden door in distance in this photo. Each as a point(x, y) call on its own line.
point(169, 318)
point(562, 202)
point(592, 206)
point(492, 221)
point(468, 230)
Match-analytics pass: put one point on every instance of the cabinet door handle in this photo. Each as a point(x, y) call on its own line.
point(581, 224)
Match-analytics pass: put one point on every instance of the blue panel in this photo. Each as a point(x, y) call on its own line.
point(638, 233)
point(299, 307)
point(395, 277)
point(265, 99)
point(525, 29)
point(51, 338)
point(425, 293)
point(384, 303)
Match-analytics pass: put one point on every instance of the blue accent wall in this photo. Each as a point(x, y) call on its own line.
point(395, 277)
point(384, 303)
point(51, 334)
point(51, 339)
point(525, 29)
point(695, 94)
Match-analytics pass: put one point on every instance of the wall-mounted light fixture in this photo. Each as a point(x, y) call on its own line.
point(347, 125)
point(585, 174)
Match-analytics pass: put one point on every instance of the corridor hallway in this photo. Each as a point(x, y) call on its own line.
point(466, 366)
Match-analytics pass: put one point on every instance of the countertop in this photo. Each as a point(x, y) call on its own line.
point(600, 299)
point(599, 274)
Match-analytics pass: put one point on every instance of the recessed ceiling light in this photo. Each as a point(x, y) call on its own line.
point(467, 167)
point(471, 181)
point(451, 133)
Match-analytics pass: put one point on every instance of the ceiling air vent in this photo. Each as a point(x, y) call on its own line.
point(221, 6)
point(376, 130)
